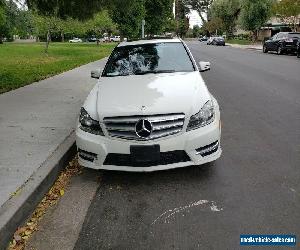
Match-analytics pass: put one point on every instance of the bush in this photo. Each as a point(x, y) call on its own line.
point(242, 37)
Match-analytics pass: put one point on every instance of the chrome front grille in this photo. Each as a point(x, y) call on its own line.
point(162, 125)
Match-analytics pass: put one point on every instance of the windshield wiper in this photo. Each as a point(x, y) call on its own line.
point(154, 72)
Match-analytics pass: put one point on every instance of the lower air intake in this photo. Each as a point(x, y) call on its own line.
point(166, 158)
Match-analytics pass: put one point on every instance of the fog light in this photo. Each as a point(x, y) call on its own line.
point(88, 156)
point(208, 149)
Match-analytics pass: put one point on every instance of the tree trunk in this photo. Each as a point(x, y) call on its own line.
point(47, 41)
point(201, 17)
point(62, 36)
point(254, 35)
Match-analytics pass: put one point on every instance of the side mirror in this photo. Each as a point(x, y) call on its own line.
point(204, 66)
point(95, 74)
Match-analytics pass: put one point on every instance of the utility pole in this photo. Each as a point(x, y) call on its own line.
point(143, 28)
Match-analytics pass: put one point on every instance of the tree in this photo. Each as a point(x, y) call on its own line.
point(157, 14)
point(77, 9)
point(287, 10)
point(228, 12)
point(24, 24)
point(215, 25)
point(14, 21)
point(128, 16)
point(254, 14)
point(101, 23)
point(170, 25)
point(201, 6)
point(182, 22)
point(3, 26)
point(196, 31)
point(63, 9)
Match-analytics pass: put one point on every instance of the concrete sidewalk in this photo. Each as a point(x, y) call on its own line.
point(251, 46)
point(34, 121)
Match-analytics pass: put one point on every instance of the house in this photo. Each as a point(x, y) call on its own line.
point(276, 24)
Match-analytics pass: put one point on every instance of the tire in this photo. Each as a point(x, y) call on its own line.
point(279, 50)
point(298, 53)
point(265, 50)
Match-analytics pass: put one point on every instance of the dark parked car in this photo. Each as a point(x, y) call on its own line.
point(203, 39)
point(92, 39)
point(298, 49)
point(282, 42)
point(219, 41)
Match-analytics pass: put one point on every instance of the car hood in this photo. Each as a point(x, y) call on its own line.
point(150, 94)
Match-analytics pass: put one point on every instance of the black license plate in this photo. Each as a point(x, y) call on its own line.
point(140, 153)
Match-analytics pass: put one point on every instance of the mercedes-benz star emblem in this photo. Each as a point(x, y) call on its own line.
point(143, 128)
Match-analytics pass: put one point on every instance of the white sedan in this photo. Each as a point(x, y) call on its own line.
point(75, 40)
point(150, 110)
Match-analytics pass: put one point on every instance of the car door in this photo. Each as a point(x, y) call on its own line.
point(271, 43)
point(277, 41)
point(268, 43)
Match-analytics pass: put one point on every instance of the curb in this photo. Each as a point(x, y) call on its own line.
point(18, 208)
point(254, 48)
point(248, 47)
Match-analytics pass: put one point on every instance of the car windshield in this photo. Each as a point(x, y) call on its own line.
point(148, 59)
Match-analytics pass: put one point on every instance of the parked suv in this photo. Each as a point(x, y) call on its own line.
point(298, 49)
point(282, 42)
point(151, 110)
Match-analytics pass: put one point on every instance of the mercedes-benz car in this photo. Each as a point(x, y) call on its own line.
point(150, 110)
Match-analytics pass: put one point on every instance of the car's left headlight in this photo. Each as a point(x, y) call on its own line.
point(204, 117)
point(88, 124)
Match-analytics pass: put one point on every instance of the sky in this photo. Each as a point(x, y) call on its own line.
point(194, 19)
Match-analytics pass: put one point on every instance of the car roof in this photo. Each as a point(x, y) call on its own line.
point(149, 41)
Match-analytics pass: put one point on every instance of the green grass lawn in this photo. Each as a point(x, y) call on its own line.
point(239, 41)
point(22, 64)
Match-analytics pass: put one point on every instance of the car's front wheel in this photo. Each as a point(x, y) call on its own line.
point(298, 53)
point(265, 50)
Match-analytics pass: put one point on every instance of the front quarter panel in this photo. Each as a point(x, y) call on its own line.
point(90, 104)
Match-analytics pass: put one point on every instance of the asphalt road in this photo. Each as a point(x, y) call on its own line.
point(253, 188)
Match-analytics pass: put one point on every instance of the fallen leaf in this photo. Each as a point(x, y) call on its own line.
point(50, 199)
point(17, 238)
point(28, 232)
point(26, 237)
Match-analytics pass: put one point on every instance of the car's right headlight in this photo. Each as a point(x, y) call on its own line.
point(204, 117)
point(88, 124)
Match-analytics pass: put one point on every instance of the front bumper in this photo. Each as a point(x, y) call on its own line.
point(96, 150)
point(289, 47)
